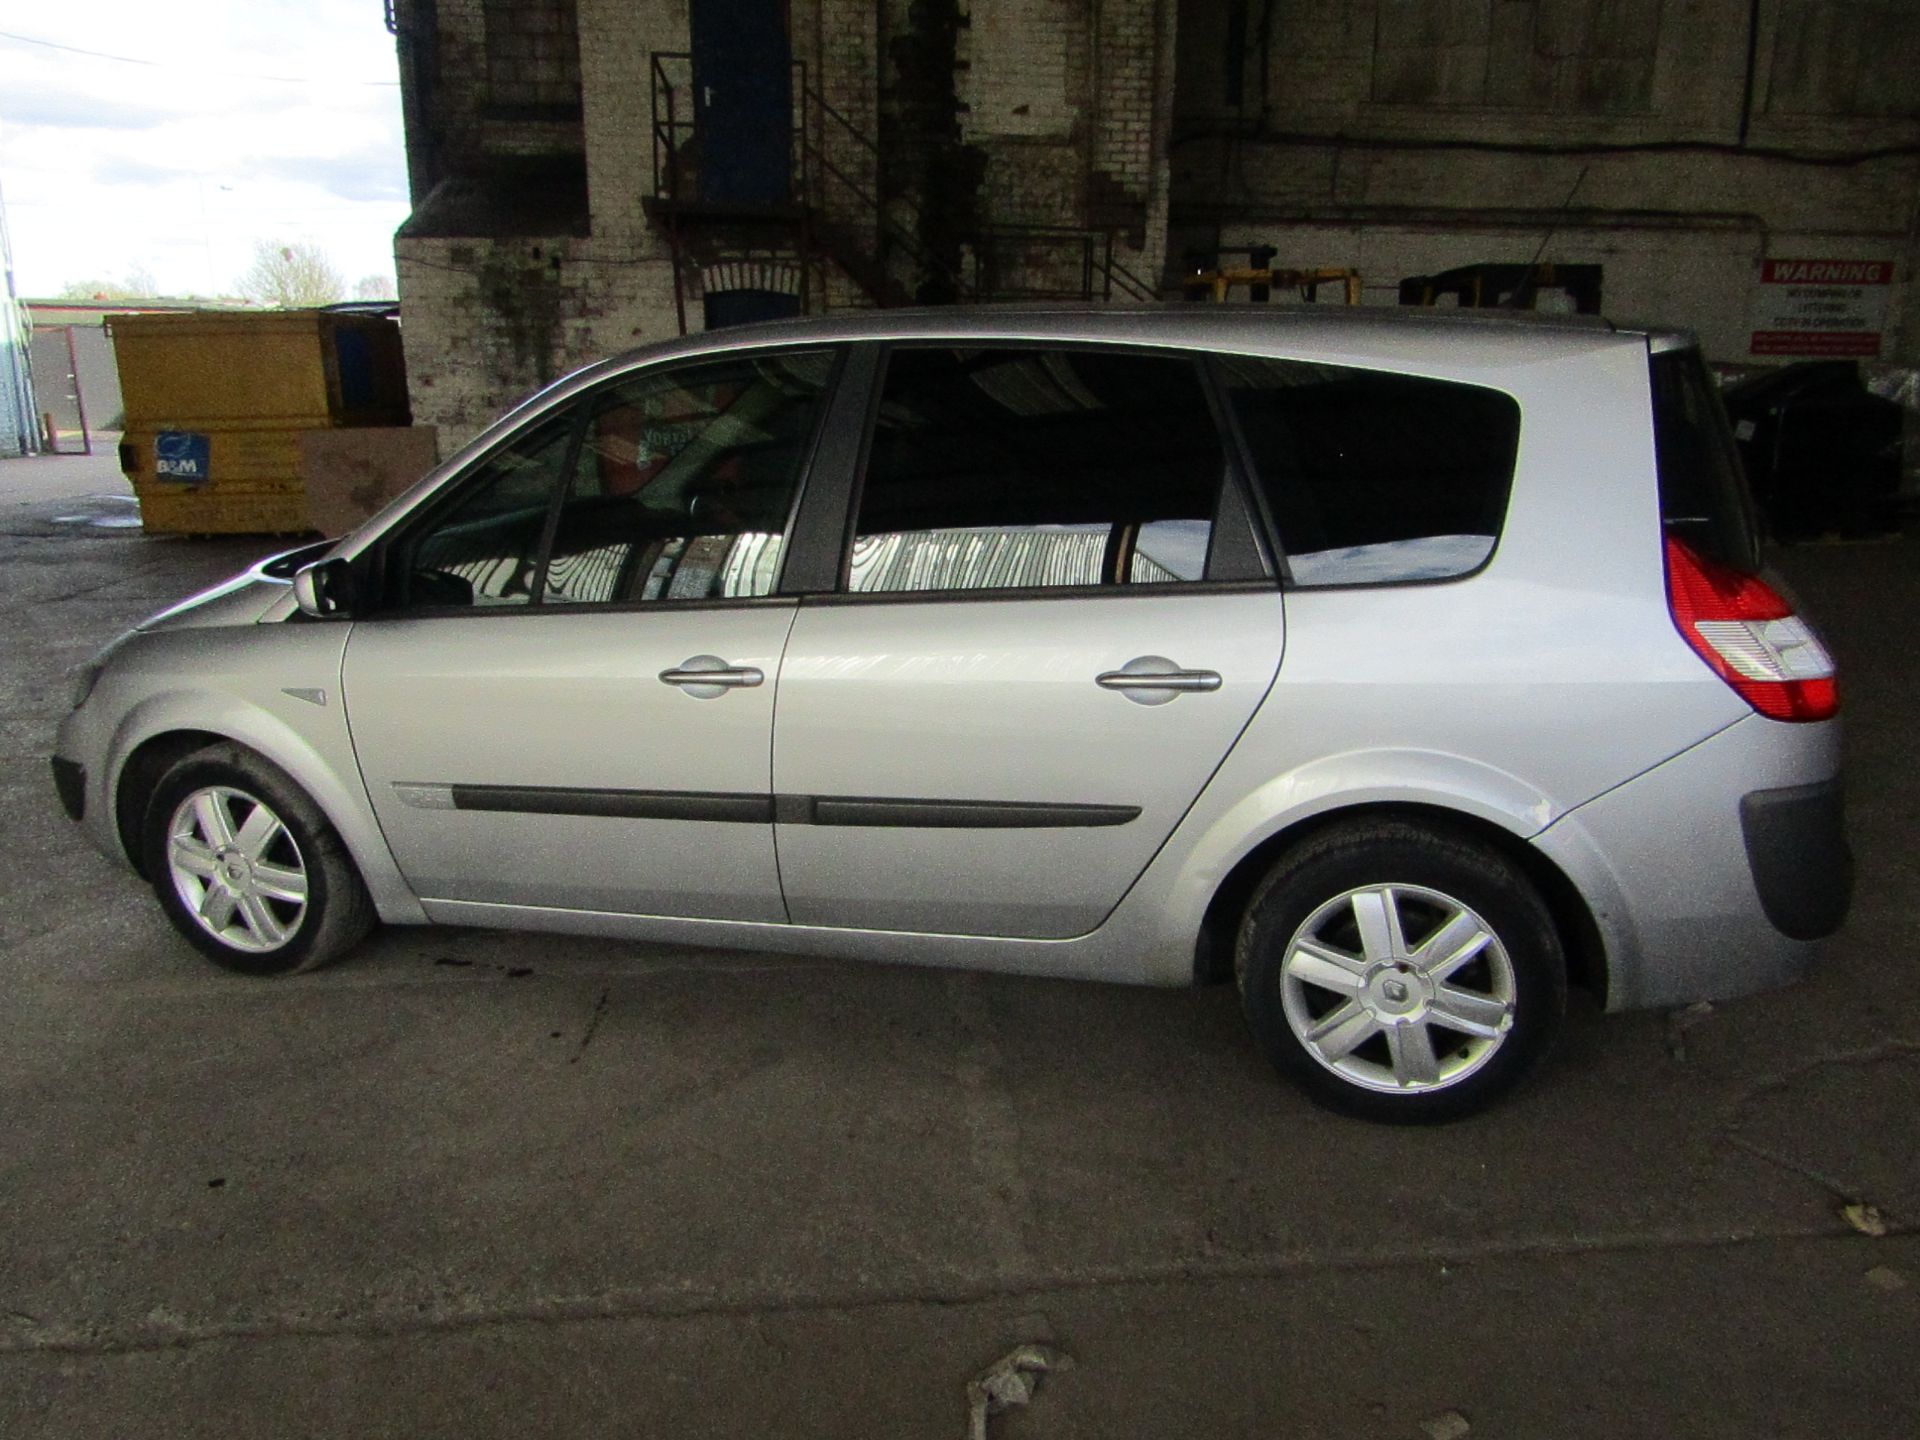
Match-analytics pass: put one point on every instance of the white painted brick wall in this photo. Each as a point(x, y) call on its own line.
point(1026, 72)
point(1684, 230)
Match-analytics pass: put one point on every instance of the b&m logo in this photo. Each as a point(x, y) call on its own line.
point(181, 455)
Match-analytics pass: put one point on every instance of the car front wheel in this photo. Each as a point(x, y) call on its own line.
point(1400, 972)
point(248, 869)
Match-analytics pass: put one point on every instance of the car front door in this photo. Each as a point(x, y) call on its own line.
point(1052, 625)
point(565, 696)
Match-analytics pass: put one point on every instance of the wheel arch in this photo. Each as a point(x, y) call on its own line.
point(160, 732)
point(142, 771)
point(1574, 921)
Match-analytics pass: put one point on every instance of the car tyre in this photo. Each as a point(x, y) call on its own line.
point(1400, 972)
point(248, 869)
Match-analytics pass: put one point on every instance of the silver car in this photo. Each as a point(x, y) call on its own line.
point(1404, 669)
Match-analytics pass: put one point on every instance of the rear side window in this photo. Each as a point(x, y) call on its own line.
point(1374, 478)
point(1015, 469)
point(1703, 489)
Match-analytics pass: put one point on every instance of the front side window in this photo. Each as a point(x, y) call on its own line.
point(1015, 469)
point(1374, 478)
point(670, 486)
point(485, 549)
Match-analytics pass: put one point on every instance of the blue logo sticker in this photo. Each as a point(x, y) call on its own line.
point(181, 455)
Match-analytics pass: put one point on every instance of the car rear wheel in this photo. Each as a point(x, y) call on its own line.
point(1400, 972)
point(248, 869)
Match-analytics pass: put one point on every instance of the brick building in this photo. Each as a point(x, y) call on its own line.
point(589, 175)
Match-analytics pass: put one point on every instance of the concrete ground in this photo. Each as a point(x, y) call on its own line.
point(471, 1184)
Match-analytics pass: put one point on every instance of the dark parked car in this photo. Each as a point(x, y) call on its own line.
point(1822, 451)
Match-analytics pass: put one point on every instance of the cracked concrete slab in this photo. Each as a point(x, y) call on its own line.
point(1589, 1347)
point(481, 1184)
point(1807, 1121)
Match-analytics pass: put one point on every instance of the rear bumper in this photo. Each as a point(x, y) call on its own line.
point(1797, 849)
point(1713, 874)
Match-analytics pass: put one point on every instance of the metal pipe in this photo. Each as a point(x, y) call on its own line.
point(79, 400)
point(1439, 218)
point(1838, 159)
point(1753, 56)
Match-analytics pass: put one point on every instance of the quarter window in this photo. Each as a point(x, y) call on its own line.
point(1005, 469)
point(1703, 489)
point(1375, 478)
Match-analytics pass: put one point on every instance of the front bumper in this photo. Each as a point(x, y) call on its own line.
point(70, 781)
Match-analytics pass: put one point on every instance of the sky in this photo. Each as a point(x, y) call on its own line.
point(248, 120)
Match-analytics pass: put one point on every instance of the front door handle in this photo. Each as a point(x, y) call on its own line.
point(708, 677)
point(1154, 680)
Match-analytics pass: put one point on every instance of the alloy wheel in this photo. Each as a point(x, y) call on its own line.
point(1398, 988)
point(236, 868)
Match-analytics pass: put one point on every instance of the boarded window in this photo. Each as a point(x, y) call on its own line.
point(1845, 59)
point(1590, 57)
point(533, 56)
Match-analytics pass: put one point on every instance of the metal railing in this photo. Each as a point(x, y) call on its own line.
point(1002, 252)
point(897, 223)
point(840, 204)
point(676, 133)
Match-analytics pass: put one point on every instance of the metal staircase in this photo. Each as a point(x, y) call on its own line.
point(834, 219)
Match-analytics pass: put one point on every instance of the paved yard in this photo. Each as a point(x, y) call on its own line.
point(472, 1184)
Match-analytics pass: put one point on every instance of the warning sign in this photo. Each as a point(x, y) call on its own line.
point(1832, 309)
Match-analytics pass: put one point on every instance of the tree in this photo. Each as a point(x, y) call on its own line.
point(374, 287)
point(138, 285)
point(83, 290)
point(292, 274)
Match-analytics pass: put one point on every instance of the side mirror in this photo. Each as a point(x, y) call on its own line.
point(324, 589)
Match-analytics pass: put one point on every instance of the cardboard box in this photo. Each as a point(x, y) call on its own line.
point(349, 474)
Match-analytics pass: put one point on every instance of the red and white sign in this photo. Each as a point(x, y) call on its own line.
point(1830, 309)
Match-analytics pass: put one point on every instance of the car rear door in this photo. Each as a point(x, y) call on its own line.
point(1052, 624)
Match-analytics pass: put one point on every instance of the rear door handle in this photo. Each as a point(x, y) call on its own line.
point(1154, 680)
point(708, 677)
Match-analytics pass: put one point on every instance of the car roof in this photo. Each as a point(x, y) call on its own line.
point(1483, 345)
point(1248, 328)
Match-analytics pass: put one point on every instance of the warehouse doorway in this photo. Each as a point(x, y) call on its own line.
point(743, 101)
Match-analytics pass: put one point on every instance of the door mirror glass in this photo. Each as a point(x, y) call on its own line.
point(323, 590)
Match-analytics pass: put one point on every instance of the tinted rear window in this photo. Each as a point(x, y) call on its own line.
point(1703, 490)
point(1375, 478)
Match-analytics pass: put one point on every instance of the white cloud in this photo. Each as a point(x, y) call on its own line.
point(179, 165)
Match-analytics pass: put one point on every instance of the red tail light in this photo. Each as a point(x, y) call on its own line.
point(1750, 637)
